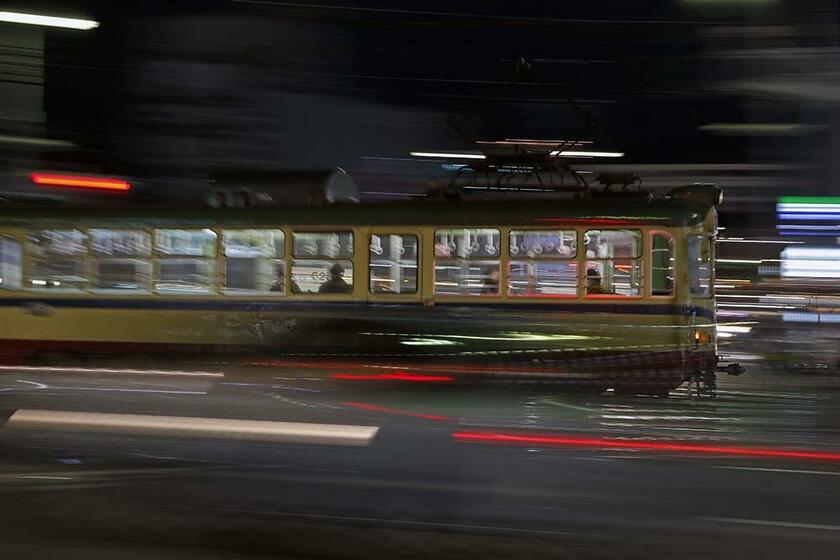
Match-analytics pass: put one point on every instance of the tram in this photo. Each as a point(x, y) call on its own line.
point(613, 291)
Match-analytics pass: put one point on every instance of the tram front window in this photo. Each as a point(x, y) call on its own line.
point(700, 265)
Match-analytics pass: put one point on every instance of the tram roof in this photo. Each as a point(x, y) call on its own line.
point(603, 211)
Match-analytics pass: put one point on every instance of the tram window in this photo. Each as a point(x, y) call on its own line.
point(121, 260)
point(536, 278)
point(186, 242)
point(320, 276)
point(11, 259)
point(544, 244)
point(331, 245)
point(613, 244)
point(700, 265)
point(330, 270)
point(613, 265)
point(614, 277)
point(543, 265)
point(254, 261)
point(393, 264)
point(463, 265)
point(185, 276)
point(57, 259)
point(662, 264)
point(186, 260)
point(467, 243)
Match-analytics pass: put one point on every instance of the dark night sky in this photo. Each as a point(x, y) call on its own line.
point(179, 87)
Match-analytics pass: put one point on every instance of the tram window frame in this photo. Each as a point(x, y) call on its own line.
point(494, 262)
point(671, 269)
point(14, 281)
point(636, 262)
point(346, 262)
point(514, 258)
point(160, 257)
point(50, 284)
point(97, 259)
point(279, 258)
point(399, 262)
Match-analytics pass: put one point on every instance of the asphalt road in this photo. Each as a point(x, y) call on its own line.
point(418, 489)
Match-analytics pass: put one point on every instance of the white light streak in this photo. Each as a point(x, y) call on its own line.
point(186, 426)
point(579, 153)
point(807, 227)
point(759, 306)
point(452, 155)
point(48, 21)
point(769, 241)
point(55, 369)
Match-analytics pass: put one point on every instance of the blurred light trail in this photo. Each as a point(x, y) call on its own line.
point(187, 426)
point(48, 21)
point(826, 227)
point(759, 306)
point(79, 182)
point(579, 153)
point(811, 262)
point(810, 217)
point(572, 441)
point(35, 141)
point(386, 410)
point(397, 376)
point(452, 155)
point(770, 241)
point(54, 369)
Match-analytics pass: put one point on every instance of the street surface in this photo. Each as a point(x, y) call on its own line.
point(419, 487)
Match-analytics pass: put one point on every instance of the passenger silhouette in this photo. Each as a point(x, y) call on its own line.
point(593, 283)
point(336, 284)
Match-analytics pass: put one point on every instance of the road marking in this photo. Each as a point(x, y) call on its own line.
point(118, 390)
point(189, 426)
point(53, 369)
point(787, 524)
point(561, 404)
point(795, 471)
point(390, 521)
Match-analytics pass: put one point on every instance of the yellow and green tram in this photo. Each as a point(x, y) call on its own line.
point(607, 292)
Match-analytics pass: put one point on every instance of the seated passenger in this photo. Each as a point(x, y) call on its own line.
point(490, 284)
point(279, 284)
point(336, 284)
point(593, 283)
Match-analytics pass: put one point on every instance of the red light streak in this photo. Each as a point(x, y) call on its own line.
point(79, 182)
point(571, 441)
point(377, 408)
point(589, 221)
point(611, 296)
point(396, 376)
